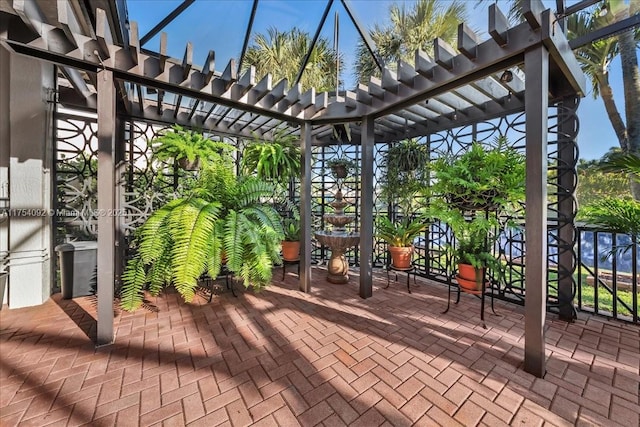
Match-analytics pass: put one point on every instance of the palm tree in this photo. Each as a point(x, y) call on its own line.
point(407, 31)
point(595, 60)
point(282, 54)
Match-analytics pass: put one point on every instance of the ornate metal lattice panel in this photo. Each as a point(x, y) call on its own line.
point(76, 168)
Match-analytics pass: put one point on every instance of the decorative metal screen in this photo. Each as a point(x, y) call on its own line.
point(145, 186)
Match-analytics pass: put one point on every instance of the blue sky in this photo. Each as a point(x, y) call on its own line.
point(220, 25)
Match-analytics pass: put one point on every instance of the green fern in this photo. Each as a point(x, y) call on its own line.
point(187, 237)
point(133, 279)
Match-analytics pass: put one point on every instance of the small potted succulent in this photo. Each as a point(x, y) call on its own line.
point(399, 237)
point(291, 242)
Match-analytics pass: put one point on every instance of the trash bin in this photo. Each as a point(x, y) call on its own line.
point(78, 268)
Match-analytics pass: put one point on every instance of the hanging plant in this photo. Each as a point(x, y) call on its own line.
point(341, 167)
point(406, 166)
point(188, 149)
point(483, 178)
point(407, 156)
point(278, 159)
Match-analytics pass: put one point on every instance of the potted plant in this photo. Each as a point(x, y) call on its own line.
point(341, 167)
point(188, 149)
point(185, 238)
point(291, 242)
point(474, 238)
point(475, 192)
point(399, 237)
point(277, 160)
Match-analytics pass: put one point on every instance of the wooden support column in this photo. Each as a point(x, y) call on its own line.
point(106, 204)
point(567, 205)
point(305, 208)
point(536, 67)
point(366, 208)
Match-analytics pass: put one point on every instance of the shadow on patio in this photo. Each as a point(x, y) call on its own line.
point(281, 357)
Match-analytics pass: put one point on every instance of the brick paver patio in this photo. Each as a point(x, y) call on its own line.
point(284, 358)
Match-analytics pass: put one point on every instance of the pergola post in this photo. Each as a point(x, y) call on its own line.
point(567, 205)
point(536, 66)
point(366, 208)
point(305, 208)
point(106, 204)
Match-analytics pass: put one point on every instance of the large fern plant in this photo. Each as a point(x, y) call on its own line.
point(187, 237)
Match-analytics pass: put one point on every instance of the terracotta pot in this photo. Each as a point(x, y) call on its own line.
point(290, 250)
point(470, 278)
point(401, 256)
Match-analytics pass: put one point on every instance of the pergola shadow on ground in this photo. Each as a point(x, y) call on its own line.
point(282, 357)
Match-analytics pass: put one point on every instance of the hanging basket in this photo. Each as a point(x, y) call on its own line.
point(483, 201)
point(185, 164)
point(339, 171)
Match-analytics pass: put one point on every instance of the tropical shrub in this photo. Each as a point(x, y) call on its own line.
point(621, 215)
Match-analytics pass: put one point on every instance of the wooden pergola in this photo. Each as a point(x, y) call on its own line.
point(520, 68)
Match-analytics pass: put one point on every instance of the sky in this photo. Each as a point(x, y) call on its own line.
point(220, 25)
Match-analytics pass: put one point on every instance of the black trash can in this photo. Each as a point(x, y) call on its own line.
point(78, 267)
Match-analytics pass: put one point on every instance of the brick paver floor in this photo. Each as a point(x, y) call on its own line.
point(284, 358)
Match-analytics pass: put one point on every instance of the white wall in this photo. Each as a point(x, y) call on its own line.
point(25, 157)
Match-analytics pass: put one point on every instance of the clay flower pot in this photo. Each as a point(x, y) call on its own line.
point(470, 278)
point(290, 250)
point(401, 256)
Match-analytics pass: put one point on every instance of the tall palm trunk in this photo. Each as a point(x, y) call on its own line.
point(612, 110)
point(631, 85)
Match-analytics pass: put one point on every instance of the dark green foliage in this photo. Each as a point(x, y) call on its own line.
point(276, 160)
point(621, 162)
point(621, 215)
point(474, 193)
point(187, 237)
point(400, 234)
point(483, 177)
point(406, 168)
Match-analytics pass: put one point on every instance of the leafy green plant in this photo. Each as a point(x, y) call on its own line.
point(278, 159)
point(291, 230)
point(399, 234)
point(187, 236)
point(188, 148)
point(474, 192)
point(482, 178)
point(474, 236)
